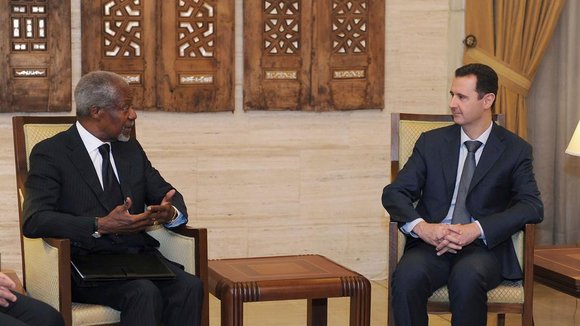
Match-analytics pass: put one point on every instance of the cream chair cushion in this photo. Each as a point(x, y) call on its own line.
point(175, 247)
point(41, 262)
point(37, 132)
point(409, 132)
point(92, 314)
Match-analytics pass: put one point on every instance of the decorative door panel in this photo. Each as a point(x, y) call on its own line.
point(119, 36)
point(314, 55)
point(197, 62)
point(277, 47)
point(349, 56)
point(178, 54)
point(35, 56)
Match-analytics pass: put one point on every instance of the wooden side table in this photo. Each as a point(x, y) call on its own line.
point(311, 277)
point(559, 268)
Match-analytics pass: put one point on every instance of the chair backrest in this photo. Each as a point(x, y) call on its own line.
point(28, 131)
point(406, 129)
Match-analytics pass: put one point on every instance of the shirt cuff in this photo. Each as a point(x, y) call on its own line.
point(407, 228)
point(177, 221)
point(482, 236)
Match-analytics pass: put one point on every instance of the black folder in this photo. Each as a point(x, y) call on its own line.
point(111, 267)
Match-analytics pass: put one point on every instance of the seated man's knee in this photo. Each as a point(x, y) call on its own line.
point(192, 285)
point(468, 283)
point(144, 292)
point(407, 281)
point(53, 318)
point(40, 313)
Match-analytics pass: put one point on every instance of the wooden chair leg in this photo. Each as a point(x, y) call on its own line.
point(500, 319)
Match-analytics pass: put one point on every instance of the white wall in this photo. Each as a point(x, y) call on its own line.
point(273, 183)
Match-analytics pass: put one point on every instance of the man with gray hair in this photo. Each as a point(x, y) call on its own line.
point(94, 185)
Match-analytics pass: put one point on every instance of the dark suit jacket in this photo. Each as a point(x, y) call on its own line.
point(64, 195)
point(503, 194)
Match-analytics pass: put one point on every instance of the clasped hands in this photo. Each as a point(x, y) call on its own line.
point(447, 237)
point(119, 220)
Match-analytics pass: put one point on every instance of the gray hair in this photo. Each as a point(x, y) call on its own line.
point(100, 89)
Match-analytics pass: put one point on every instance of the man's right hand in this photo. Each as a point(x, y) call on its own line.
point(432, 233)
point(120, 221)
point(6, 296)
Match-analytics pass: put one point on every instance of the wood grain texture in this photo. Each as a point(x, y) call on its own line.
point(35, 80)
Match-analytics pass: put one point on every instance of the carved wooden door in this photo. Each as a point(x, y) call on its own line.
point(349, 55)
point(177, 54)
point(120, 36)
point(313, 55)
point(35, 52)
point(277, 48)
point(196, 68)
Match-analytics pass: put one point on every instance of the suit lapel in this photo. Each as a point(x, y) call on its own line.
point(491, 153)
point(450, 157)
point(81, 160)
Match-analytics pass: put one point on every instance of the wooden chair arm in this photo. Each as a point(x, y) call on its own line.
point(199, 236)
point(529, 243)
point(201, 267)
point(393, 247)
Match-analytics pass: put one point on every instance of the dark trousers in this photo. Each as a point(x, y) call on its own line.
point(469, 274)
point(143, 302)
point(26, 311)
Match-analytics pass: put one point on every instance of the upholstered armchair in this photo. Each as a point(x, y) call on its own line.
point(510, 296)
point(46, 262)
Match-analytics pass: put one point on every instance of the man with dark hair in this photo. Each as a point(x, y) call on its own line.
point(94, 185)
point(474, 187)
point(487, 81)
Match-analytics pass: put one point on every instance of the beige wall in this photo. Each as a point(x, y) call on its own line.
point(274, 183)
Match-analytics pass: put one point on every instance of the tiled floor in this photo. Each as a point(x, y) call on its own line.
point(551, 308)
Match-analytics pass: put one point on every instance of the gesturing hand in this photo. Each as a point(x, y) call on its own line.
point(164, 212)
point(119, 220)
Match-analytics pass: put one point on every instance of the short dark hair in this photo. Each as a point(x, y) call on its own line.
point(486, 77)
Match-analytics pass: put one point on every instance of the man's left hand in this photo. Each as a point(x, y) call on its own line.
point(460, 236)
point(164, 212)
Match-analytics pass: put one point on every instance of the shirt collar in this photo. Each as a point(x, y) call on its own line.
point(482, 138)
point(89, 140)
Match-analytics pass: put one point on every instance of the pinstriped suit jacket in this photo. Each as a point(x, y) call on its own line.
point(64, 195)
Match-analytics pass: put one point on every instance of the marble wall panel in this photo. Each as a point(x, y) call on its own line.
point(272, 183)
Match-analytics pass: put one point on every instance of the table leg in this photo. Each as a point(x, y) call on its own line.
point(360, 303)
point(317, 312)
point(232, 309)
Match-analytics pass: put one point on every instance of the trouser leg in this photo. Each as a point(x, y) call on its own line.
point(474, 271)
point(29, 311)
point(419, 273)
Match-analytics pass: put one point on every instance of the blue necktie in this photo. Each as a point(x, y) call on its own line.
point(460, 214)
